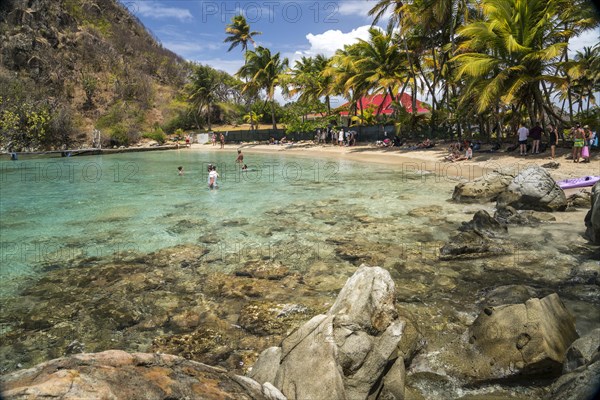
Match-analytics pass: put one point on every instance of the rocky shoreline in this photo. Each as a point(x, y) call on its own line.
point(435, 326)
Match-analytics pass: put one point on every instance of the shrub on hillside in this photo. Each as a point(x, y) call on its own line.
point(157, 134)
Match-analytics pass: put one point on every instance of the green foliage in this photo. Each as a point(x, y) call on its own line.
point(367, 116)
point(295, 117)
point(253, 119)
point(158, 135)
point(26, 123)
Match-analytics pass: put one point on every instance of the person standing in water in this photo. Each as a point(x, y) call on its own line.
point(212, 178)
point(240, 158)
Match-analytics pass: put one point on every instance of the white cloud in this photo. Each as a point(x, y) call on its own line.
point(358, 8)
point(328, 42)
point(587, 39)
point(153, 9)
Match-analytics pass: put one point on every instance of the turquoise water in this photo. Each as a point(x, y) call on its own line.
point(57, 210)
point(318, 218)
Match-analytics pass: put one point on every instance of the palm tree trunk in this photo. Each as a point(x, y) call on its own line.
point(273, 114)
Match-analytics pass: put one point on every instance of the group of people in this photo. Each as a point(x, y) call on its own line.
point(212, 170)
point(458, 151)
point(221, 139)
point(582, 140)
point(341, 137)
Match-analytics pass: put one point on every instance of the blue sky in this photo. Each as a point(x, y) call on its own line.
point(195, 29)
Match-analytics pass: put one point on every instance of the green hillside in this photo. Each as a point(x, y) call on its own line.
point(69, 66)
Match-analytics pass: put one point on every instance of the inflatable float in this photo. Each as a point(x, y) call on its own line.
point(578, 182)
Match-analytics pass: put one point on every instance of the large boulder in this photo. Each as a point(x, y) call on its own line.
point(115, 374)
point(358, 348)
point(592, 218)
point(533, 189)
point(482, 236)
point(509, 342)
point(486, 188)
point(523, 339)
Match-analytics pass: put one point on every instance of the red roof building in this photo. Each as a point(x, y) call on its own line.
point(382, 105)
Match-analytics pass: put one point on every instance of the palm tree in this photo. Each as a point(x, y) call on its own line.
point(203, 90)
point(507, 55)
point(342, 69)
point(263, 71)
point(380, 65)
point(584, 72)
point(240, 33)
point(307, 80)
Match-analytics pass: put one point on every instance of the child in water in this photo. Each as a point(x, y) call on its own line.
point(180, 170)
point(212, 178)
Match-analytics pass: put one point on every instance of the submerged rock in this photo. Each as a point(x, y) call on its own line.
point(533, 189)
point(581, 384)
point(583, 351)
point(510, 216)
point(509, 294)
point(116, 374)
point(482, 236)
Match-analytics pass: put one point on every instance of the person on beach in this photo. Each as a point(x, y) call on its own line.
point(240, 157)
point(222, 139)
point(180, 171)
point(187, 141)
point(212, 177)
point(578, 142)
point(523, 134)
point(214, 139)
point(553, 132)
point(341, 137)
point(536, 136)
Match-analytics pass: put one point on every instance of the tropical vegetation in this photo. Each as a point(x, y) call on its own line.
point(483, 66)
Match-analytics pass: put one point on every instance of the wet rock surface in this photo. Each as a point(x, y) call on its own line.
point(223, 305)
point(481, 236)
point(119, 375)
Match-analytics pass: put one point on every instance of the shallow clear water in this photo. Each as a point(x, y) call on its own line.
point(54, 210)
point(319, 218)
